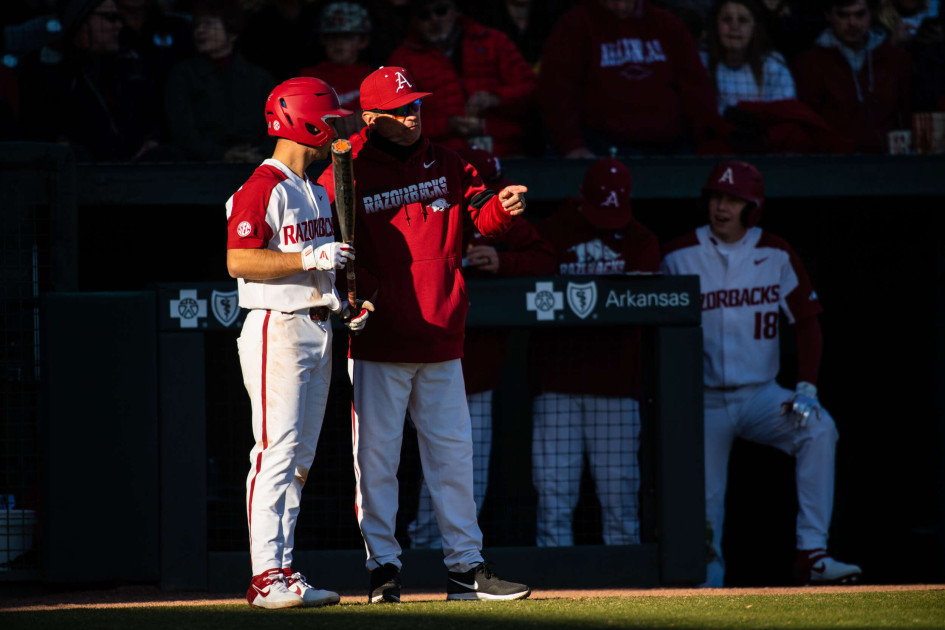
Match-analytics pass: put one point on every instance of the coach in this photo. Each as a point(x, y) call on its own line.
point(412, 197)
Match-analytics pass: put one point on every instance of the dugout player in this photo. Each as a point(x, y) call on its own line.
point(412, 195)
point(747, 276)
point(585, 405)
point(281, 247)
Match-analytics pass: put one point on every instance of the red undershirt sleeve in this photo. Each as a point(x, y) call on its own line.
point(810, 348)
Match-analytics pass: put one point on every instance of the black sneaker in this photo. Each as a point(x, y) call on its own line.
point(385, 584)
point(481, 583)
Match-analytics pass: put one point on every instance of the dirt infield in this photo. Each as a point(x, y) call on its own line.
point(142, 596)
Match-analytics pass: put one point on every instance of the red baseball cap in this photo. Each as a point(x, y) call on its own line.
point(605, 194)
point(389, 87)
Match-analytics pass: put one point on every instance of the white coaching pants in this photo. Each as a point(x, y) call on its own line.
point(423, 532)
point(565, 426)
point(434, 394)
point(286, 362)
point(753, 413)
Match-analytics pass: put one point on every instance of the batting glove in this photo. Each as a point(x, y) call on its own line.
point(330, 256)
point(803, 405)
point(355, 317)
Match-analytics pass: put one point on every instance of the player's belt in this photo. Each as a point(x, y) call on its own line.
point(724, 389)
point(320, 313)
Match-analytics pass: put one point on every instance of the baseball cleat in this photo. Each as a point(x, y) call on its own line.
point(815, 566)
point(311, 597)
point(481, 583)
point(385, 585)
point(268, 590)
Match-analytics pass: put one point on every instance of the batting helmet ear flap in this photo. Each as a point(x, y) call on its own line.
point(750, 215)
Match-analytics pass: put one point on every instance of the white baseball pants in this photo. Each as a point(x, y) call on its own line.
point(423, 532)
point(286, 362)
point(434, 394)
point(565, 426)
point(753, 413)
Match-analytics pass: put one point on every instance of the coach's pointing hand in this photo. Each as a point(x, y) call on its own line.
point(513, 199)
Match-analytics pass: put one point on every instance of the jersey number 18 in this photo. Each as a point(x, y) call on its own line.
point(766, 325)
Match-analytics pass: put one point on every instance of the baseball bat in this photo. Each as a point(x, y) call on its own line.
point(345, 204)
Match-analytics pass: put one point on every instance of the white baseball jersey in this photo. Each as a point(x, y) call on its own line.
point(743, 286)
point(283, 212)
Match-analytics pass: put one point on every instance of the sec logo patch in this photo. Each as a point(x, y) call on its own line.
point(244, 229)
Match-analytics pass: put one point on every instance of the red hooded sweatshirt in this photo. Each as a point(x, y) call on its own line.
point(863, 105)
point(408, 238)
point(634, 81)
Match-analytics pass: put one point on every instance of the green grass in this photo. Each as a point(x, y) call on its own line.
point(906, 609)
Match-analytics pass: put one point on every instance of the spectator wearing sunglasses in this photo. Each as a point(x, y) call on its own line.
point(483, 88)
point(114, 106)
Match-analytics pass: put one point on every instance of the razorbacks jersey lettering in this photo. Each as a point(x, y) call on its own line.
point(278, 210)
point(433, 192)
point(593, 257)
point(744, 288)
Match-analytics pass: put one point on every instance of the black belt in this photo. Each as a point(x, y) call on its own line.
point(320, 313)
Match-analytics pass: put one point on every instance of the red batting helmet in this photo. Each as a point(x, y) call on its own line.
point(742, 180)
point(298, 109)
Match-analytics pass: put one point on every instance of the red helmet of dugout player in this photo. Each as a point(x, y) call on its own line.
point(742, 180)
point(605, 194)
point(300, 109)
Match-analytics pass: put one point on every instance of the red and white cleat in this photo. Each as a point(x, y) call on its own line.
point(311, 597)
point(268, 590)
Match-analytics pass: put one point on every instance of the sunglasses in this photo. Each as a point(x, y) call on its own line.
point(403, 111)
point(439, 10)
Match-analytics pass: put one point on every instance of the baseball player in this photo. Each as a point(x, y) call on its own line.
point(747, 277)
point(281, 248)
point(519, 252)
point(411, 199)
point(585, 405)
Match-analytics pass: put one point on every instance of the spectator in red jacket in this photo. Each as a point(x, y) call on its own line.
point(855, 77)
point(483, 89)
point(623, 73)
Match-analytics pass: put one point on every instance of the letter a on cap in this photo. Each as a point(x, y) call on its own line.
point(612, 200)
point(727, 177)
point(402, 81)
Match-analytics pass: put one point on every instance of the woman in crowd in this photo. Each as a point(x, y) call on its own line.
point(741, 63)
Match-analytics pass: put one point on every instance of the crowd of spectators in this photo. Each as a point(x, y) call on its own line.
point(178, 79)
